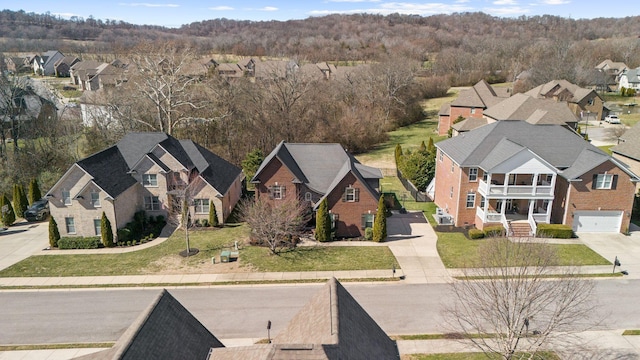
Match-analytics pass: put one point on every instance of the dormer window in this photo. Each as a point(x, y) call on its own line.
point(95, 199)
point(66, 197)
point(350, 194)
point(150, 180)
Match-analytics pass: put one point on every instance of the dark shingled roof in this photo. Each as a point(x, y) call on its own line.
point(215, 170)
point(165, 330)
point(109, 171)
point(332, 325)
point(490, 144)
point(319, 166)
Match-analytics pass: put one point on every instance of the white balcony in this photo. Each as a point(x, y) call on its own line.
point(498, 190)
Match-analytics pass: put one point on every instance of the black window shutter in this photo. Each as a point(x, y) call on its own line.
point(283, 192)
point(614, 182)
point(344, 195)
point(594, 181)
point(356, 194)
point(364, 221)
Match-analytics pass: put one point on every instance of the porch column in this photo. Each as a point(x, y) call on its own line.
point(532, 204)
point(534, 189)
point(548, 214)
point(505, 184)
point(485, 208)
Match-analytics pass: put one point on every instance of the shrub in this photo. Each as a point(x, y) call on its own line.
point(494, 231)
point(124, 235)
point(323, 222)
point(380, 222)
point(8, 215)
point(476, 234)
point(213, 215)
point(79, 242)
point(54, 234)
point(204, 222)
point(558, 231)
point(34, 191)
point(106, 231)
point(20, 202)
point(368, 233)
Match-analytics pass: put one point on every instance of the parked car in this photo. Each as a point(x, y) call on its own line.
point(39, 210)
point(612, 119)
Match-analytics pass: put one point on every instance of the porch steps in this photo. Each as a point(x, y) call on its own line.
point(520, 229)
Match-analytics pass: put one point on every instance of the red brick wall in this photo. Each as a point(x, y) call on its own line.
point(350, 213)
point(274, 173)
point(583, 197)
point(445, 122)
point(467, 216)
point(445, 179)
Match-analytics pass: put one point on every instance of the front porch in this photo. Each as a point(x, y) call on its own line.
point(507, 212)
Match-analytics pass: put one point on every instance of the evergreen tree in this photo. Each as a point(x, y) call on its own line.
point(106, 231)
point(34, 191)
point(323, 222)
point(431, 148)
point(54, 234)
point(398, 154)
point(423, 147)
point(252, 162)
point(213, 214)
point(8, 215)
point(19, 200)
point(380, 222)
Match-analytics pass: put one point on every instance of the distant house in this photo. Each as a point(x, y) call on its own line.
point(517, 175)
point(630, 79)
point(628, 149)
point(248, 65)
point(612, 69)
point(313, 172)
point(77, 71)
point(63, 66)
point(275, 69)
point(331, 326)
point(45, 64)
point(583, 102)
point(16, 64)
point(229, 70)
point(532, 110)
point(469, 103)
point(141, 172)
point(93, 75)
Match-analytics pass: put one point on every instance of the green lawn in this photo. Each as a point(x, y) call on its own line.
point(164, 258)
point(456, 251)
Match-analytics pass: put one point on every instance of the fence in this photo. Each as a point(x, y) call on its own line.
point(418, 195)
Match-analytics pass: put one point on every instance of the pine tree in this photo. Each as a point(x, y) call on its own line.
point(398, 154)
point(213, 214)
point(431, 148)
point(54, 234)
point(106, 231)
point(423, 147)
point(8, 215)
point(19, 200)
point(34, 191)
point(252, 162)
point(323, 222)
point(380, 222)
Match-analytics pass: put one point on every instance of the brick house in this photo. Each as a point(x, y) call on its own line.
point(312, 172)
point(142, 172)
point(470, 103)
point(515, 174)
point(584, 103)
point(63, 66)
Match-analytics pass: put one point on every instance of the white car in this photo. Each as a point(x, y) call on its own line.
point(612, 119)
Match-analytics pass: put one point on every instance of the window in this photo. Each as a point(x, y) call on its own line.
point(71, 225)
point(95, 199)
point(351, 194)
point(307, 196)
point(150, 180)
point(512, 179)
point(334, 219)
point(151, 203)
point(367, 220)
point(277, 192)
point(485, 176)
point(66, 197)
point(603, 181)
point(473, 174)
point(452, 166)
point(201, 206)
point(473, 110)
point(471, 200)
point(97, 227)
point(440, 156)
point(482, 200)
point(451, 193)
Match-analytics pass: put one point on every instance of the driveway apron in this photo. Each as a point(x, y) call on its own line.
point(413, 242)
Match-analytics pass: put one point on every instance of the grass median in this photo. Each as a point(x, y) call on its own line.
point(164, 258)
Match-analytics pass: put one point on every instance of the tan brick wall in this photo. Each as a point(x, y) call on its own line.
point(583, 197)
point(350, 213)
point(146, 166)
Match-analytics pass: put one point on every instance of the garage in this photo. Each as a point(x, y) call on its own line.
point(597, 221)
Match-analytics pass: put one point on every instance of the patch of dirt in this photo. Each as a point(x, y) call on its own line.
point(176, 265)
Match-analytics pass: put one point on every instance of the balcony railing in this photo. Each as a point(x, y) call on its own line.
point(515, 190)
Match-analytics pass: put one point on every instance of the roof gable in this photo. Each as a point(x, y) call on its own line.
point(525, 107)
point(109, 171)
point(630, 145)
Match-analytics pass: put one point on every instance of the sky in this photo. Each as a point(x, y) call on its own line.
point(174, 13)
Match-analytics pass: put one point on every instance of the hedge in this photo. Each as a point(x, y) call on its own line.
point(558, 231)
point(92, 242)
point(476, 234)
point(496, 230)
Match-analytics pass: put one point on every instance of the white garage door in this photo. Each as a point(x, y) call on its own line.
point(597, 221)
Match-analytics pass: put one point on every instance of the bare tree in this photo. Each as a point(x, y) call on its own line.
point(515, 307)
point(615, 132)
point(276, 224)
point(181, 202)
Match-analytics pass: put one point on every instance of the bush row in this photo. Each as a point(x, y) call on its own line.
point(558, 231)
point(140, 228)
point(79, 242)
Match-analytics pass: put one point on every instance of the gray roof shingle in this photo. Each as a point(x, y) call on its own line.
point(532, 110)
point(630, 147)
point(489, 145)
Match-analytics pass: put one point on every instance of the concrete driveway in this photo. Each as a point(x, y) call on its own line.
point(626, 248)
point(22, 240)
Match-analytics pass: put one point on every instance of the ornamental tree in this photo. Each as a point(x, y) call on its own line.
point(323, 222)
point(380, 222)
point(8, 215)
point(54, 234)
point(34, 191)
point(213, 214)
point(106, 231)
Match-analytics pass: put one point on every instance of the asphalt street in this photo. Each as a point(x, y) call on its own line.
point(72, 316)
